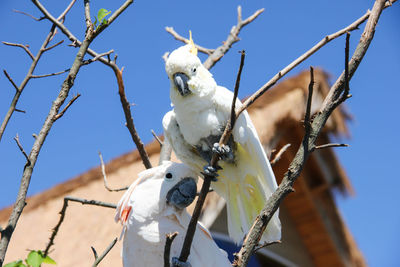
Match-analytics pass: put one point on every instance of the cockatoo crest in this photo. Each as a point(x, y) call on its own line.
point(193, 48)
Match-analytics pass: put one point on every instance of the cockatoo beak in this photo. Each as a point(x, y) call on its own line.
point(183, 193)
point(181, 83)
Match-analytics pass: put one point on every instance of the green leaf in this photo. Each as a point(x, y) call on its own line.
point(34, 258)
point(48, 260)
point(101, 15)
point(15, 264)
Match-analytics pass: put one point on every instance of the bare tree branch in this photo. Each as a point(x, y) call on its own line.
point(207, 179)
point(353, 26)
point(279, 154)
point(20, 110)
point(186, 41)
point(167, 249)
point(59, 115)
point(103, 170)
point(49, 74)
point(51, 118)
point(91, 202)
point(260, 246)
point(11, 80)
point(118, 74)
point(27, 14)
point(156, 137)
point(330, 145)
point(308, 143)
point(105, 252)
point(16, 138)
point(232, 38)
point(25, 47)
point(52, 46)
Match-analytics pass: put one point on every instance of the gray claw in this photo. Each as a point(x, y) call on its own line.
point(177, 263)
point(223, 151)
point(211, 171)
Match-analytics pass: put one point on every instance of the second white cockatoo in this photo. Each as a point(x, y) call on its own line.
point(155, 205)
point(200, 112)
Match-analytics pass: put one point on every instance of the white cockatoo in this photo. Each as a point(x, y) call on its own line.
point(200, 112)
point(154, 206)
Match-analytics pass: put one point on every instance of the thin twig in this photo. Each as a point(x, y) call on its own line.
point(331, 145)
point(49, 74)
point(279, 154)
point(103, 170)
point(167, 249)
point(94, 252)
point(54, 45)
point(232, 38)
point(67, 9)
point(59, 115)
point(207, 179)
point(16, 138)
point(20, 110)
point(266, 244)
point(129, 119)
point(11, 80)
point(186, 41)
point(92, 202)
point(105, 252)
point(308, 142)
point(98, 57)
point(25, 47)
point(62, 215)
point(29, 15)
point(307, 116)
point(157, 138)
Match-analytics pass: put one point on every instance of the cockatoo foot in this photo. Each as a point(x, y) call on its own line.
point(177, 263)
point(223, 151)
point(211, 171)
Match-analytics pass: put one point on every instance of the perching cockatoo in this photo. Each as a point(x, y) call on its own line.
point(154, 206)
point(200, 112)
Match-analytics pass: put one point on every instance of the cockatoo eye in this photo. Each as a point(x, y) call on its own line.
point(194, 70)
point(168, 175)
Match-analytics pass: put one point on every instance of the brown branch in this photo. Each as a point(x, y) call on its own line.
point(157, 138)
point(103, 170)
point(232, 38)
point(167, 249)
point(105, 252)
point(27, 14)
point(307, 116)
point(25, 47)
point(129, 120)
point(266, 244)
point(308, 143)
point(20, 110)
point(279, 154)
point(118, 74)
point(186, 41)
point(353, 26)
point(16, 138)
point(207, 179)
point(54, 45)
point(330, 145)
point(49, 74)
point(30, 71)
point(11, 80)
point(59, 115)
point(98, 57)
point(51, 118)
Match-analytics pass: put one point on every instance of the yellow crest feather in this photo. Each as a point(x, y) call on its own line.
point(193, 48)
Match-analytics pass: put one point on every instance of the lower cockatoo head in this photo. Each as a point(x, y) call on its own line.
point(187, 75)
point(169, 188)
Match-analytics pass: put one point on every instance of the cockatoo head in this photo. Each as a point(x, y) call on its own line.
point(187, 75)
point(170, 186)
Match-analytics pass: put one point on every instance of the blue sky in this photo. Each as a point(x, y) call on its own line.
point(281, 34)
